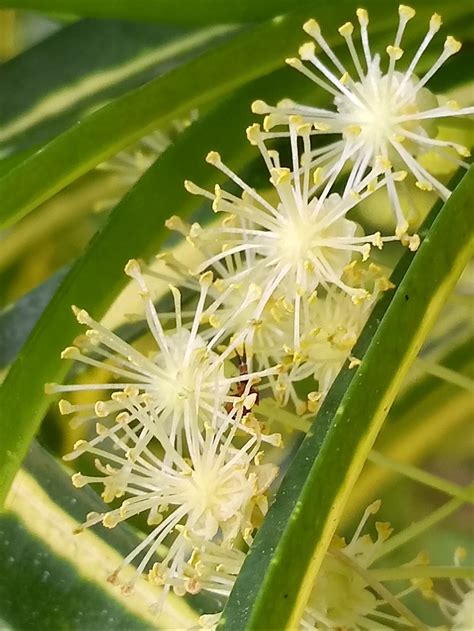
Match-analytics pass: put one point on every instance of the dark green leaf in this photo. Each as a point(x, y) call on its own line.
point(275, 582)
point(17, 321)
point(165, 11)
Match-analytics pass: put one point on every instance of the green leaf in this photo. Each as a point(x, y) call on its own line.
point(166, 11)
point(17, 320)
point(50, 86)
point(251, 54)
point(274, 584)
point(56, 579)
point(420, 420)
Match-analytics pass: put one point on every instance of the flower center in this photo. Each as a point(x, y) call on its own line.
point(186, 376)
point(382, 99)
point(215, 497)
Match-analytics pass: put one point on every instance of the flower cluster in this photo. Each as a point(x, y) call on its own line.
point(350, 590)
point(284, 286)
point(388, 115)
point(175, 441)
point(459, 610)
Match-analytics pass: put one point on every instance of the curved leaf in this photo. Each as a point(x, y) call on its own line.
point(49, 86)
point(57, 579)
point(166, 11)
point(275, 582)
point(249, 55)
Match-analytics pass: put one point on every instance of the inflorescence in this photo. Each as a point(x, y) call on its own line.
point(285, 284)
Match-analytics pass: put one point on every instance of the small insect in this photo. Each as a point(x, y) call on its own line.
point(241, 385)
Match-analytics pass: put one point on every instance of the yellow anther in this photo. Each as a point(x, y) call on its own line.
point(100, 429)
point(463, 151)
point(253, 133)
point(280, 176)
point(250, 400)
point(384, 529)
point(318, 176)
point(312, 28)
point(399, 138)
point(78, 480)
point(346, 29)
point(435, 22)
point(110, 520)
point(259, 107)
point(406, 12)
point(307, 51)
point(206, 279)
point(377, 240)
point(360, 296)
point(214, 321)
point(213, 157)
point(354, 362)
point(294, 62)
point(394, 52)
point(296, 120)
point(399, 176)
point(301, 407)
point(80, 445)
point(365, 251)
point(363, 17)
point(424, 186)
point(383, 163)
point(64, 406)
point(452, 45)
point(374, 508)
point(132, 268)
point(413, 242)
point(71, 352)
point(81, 315)
point(121, 418)
point(191, 188)
point(372, 185)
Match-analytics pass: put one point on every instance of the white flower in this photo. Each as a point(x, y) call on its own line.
point(290, 248)
point(130, 164)
point(379, 113)
point(184, 379)
point(332, 328)
point(347, 593)
point(210, 492)
point(459, 611)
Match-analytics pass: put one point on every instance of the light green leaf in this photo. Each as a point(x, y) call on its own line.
point(49, 86)
point(275, 582)
point(56, 579)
